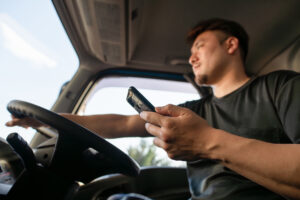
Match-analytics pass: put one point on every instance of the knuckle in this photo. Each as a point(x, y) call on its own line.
point(169, 106)
point(167, 147)
point(168, 123)
point(166, 136)
point(171, 155)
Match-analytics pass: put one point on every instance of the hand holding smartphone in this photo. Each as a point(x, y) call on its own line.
point(138, 101)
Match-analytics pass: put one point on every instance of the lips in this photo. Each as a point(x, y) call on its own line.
point(196, 66)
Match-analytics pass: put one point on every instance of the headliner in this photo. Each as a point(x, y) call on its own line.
point(150, 34)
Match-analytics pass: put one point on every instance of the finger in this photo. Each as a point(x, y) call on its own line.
point(24, 122)
point(152, 117)
point(153, 130)
point(13, 122)
point(170, 110)
point(16, 122)
point(159, 143)
point(9, 123)
point(19, 122)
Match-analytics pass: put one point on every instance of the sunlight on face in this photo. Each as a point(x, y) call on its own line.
point(207, 55)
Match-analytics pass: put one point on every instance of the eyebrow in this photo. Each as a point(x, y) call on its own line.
point(198, 41)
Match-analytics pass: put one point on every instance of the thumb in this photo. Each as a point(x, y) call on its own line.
point(170, 110)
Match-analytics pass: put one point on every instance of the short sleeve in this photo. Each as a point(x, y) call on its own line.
point(193, 105)
point(287, 99)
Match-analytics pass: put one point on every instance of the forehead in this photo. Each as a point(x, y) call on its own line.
point(207, 35)
point(204, 37)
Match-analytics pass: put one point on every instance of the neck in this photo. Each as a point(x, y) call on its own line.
point(231, 81)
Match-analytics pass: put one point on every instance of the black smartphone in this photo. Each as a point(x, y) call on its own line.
point(138, 101)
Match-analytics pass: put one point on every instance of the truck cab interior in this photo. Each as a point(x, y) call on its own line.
point(121, 43)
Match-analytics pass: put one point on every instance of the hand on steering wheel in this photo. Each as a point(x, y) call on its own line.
point(76, 146)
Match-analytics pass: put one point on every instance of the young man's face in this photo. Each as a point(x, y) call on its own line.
point(208, 57)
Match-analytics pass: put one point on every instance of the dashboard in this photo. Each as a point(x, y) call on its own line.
point(10, 167)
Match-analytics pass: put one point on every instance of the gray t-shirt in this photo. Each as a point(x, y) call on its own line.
point(265, 108)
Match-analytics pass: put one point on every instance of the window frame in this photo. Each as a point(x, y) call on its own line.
point(125, 73)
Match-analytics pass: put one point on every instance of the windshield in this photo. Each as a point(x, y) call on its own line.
point(36, 56)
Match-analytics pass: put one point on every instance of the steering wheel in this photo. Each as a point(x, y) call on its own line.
point(78, 153)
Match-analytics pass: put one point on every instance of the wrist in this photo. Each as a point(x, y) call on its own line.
point(74, 118)
point(224, 146)
point(215, 144)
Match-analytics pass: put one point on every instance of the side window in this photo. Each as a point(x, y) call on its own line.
point(109, 96)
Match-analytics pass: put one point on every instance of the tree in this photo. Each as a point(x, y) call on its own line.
point(145, 155)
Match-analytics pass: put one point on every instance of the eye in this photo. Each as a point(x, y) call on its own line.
point(198, 46)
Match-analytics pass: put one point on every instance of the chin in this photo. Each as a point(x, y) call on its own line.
point(201, 79)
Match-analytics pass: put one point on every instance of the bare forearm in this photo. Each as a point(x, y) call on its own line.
point(274, 166)
point(111, 125)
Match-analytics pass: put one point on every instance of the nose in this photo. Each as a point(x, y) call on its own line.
point(193, 59)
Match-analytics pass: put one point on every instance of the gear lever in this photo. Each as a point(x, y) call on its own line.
point(21, 147)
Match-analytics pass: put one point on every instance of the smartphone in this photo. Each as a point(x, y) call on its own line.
point(138, 101)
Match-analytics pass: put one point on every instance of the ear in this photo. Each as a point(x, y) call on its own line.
point(232, 45)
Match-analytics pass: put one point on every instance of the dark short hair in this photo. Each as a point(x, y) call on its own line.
point(228, 27)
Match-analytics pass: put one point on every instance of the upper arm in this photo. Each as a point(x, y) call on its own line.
point(287, 99)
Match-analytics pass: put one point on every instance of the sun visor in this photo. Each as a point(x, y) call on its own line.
point(103, 27)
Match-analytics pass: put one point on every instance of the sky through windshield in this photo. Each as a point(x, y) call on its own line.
point(36, 56)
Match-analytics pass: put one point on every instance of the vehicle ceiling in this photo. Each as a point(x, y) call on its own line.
point(150, 34)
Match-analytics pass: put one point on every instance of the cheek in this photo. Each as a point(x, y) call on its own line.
point(214, 57)
point(208, 52)
point(208, 58)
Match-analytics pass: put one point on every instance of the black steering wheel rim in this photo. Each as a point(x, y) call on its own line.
point(68, 129)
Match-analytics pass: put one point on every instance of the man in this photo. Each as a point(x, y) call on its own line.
point(240, 142)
